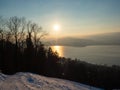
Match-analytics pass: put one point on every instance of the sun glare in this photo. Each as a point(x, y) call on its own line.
point(56, 27)
point(58, 49)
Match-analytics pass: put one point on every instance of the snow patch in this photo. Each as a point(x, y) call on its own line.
point(29, 81)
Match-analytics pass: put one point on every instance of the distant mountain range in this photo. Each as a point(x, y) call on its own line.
point(99, 39)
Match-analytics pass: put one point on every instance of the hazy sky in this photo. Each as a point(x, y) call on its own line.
point(76, 17)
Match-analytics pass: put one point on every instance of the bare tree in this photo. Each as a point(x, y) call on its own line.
point(34, 36)
point(4, 32)
point(29, 29)
point(16, 26)
point(2, 27)
point(35, 32)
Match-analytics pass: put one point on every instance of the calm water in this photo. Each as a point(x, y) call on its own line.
point(94, 54)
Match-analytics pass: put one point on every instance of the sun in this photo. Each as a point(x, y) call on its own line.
point(56, 27)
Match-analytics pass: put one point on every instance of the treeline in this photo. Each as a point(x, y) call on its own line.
point(21, 50)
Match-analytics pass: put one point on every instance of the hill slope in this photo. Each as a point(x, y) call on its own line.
point(29, 81)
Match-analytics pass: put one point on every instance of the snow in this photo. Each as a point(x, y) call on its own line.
point(29, 81)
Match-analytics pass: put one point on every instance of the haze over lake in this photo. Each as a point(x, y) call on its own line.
point(98, 54)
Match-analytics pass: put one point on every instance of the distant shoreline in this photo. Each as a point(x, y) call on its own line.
point(82, 46)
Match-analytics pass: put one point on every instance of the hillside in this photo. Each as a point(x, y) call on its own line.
point(29, 81)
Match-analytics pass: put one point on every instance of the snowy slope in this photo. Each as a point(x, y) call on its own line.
point(29, 81)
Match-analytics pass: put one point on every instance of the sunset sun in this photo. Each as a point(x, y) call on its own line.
point(56, 27)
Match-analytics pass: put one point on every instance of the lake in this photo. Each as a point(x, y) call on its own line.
point(99, 54)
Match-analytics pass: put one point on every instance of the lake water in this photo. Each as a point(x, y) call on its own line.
point(93, 54)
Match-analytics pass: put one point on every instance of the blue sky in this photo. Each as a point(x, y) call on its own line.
point(76, 17)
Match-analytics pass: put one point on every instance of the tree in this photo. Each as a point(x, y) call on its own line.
point(2, 28)
point(16, 26)
point(35, 33)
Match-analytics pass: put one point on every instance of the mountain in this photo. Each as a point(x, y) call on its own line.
point(106, 38)
point(29, 81)
point(99, 39)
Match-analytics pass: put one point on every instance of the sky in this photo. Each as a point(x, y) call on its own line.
point(76, 17)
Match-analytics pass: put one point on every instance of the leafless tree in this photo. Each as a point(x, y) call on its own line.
point(35, 32)
point(16, 26)
point(2, 27)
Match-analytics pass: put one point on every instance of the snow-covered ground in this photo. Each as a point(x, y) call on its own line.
point(29, 81)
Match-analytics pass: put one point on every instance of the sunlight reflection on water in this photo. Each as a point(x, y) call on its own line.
point(58, 49)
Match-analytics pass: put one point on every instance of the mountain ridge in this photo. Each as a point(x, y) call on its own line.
point(99, 39)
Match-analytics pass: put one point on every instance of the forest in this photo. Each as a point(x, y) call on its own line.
point(22, 50)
